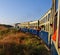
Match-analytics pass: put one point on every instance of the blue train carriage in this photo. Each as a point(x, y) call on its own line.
point(44, 24)
point(34, 25)
point(55, 45)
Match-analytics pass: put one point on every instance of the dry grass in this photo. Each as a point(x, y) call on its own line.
point(18, 43)
point(2, 28)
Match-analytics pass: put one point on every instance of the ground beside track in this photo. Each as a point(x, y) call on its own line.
point(13, 42)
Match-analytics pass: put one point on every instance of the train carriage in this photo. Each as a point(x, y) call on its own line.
point(34, 24)
point(44, 24)
point(56, 27)
point(44, 21)
point(24, 26)
point(33, 27)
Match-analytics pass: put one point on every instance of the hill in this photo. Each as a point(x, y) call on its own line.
point(8, 26)
point(4, 26)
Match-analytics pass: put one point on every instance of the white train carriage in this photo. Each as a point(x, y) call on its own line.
point(34, 24)
point(44, 24)
point(44, 21)
point(24, 25)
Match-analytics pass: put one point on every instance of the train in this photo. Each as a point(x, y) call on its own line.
point(47, 27)
point(37, 26)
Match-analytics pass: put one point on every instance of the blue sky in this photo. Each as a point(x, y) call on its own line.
point(17, 11)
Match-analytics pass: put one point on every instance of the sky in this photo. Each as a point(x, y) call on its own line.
point(17, 11)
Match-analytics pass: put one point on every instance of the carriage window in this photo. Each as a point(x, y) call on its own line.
point(47, 27)
point(56, 5)
point(55, 23)
point(48, 16)
point(46, 19)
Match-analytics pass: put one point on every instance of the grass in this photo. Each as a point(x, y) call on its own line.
point(28, 44)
